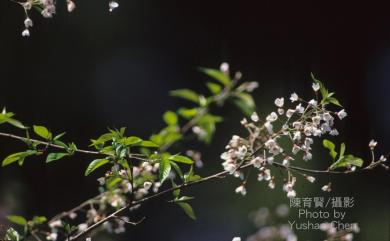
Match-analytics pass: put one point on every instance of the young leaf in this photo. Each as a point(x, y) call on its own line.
point(187, 209)
point(19, 220)
point(347, 161)
point(95, 165)
point(186, 94)
point(42, 132)
point(39, 219)
point(183, 199)
point(342, 150)
point(57, 137)
point(55, 156)
point(132, 140)
point(177, 169)
point(170, 118)
point(147, 144)
point(188, 113)
point(165, 169)
point(214, 88)
point(330, 145)
point(19, 156)
point(16, 123)
point(217, 75)
point(175, 192)
point(181, 159)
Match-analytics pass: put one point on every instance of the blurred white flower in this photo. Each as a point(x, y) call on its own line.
point(26, 33)
point(113, 5)
point(316, 86)
point(294, 97)
point(279, 102)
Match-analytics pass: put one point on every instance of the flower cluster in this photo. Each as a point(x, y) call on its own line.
point(296, 126)
point(47, 9)
point(263, 218)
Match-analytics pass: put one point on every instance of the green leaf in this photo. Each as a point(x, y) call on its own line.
point(175, 192)
point(186, 94)
point(19, 156)
point(177, 169)
point(95, 165)
point(342, 150)
point(183, 199)
point(187, 209)
point(147, 144)
point(132, 140)
point(334, 101)
point(42, 132)
point(347, 161)
point(55, 156)
point(188, 113)
point(112, 182)
point(12, 235)
point(330, 145)
point(59, 136)
point(214, 88)
point(165, 169)
point(19, 220)
point(39, 219)
point(170, 118)
point(181, 159)
point(217, 75)
point(16, 123)
point(245, 103)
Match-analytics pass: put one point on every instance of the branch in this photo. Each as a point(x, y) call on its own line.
point(47, 143)
point(218, 175)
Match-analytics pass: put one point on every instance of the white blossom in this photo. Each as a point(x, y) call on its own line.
point(241, 189)
point(269, 127)
point(326, 188)
point(52, 236)
point(70, 5)
point(310, 178)
point(272, 117)
point(313, 103)
point(316, 86)
point(82, 227)
point(265, 174)
point(113, 5)
point(28, 22)
point(224, 67)
point(251, 86)
point(26, 33)
point(236, 239)
point(291, 194)
point(299, 108)
point(341, 114)
point(147, 185)
point(372, 144)
point(294, 97)
point(56, 224)
point(289, 113)
point(254, 117)
point(279, 102)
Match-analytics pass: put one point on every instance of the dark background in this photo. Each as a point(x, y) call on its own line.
point(85, 71)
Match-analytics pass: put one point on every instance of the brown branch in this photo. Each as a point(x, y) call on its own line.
point(218, 175)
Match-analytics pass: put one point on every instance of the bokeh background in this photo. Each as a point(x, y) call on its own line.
point(85, 71)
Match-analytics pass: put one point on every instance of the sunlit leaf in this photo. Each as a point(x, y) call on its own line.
point(95, 165)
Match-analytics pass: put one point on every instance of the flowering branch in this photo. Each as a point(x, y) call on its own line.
point(139, 167)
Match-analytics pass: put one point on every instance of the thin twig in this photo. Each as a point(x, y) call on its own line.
point(47, 143)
